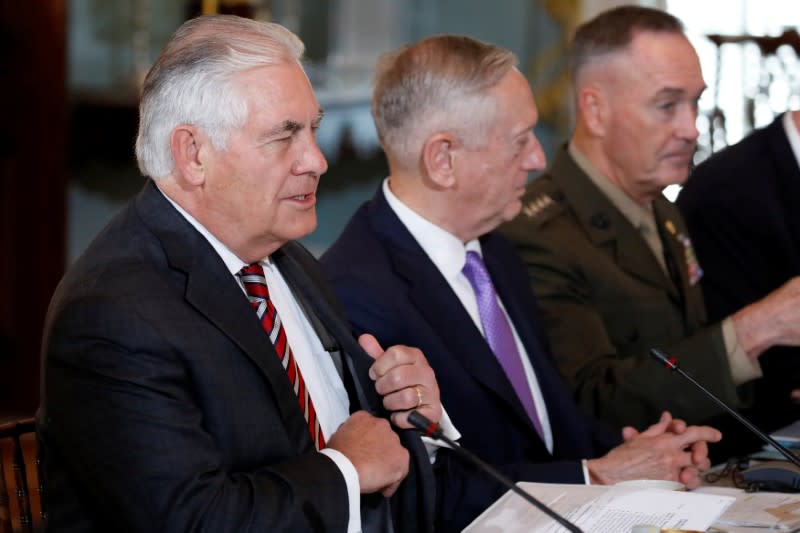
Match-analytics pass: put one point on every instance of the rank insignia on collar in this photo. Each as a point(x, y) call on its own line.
point(537, 205)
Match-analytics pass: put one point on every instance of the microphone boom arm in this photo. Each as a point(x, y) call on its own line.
point(672, 363)
point(431, 429)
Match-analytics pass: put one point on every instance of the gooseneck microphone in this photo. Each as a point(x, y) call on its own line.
point(671, 362)
point(432, 429)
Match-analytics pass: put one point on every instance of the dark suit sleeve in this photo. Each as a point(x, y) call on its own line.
point(739, 237)
point(125, 407)
point(620, 387)
point(739, 207)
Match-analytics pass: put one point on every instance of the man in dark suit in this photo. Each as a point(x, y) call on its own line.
point(198, 375)
point(455, 118)
point(610, 258)
point(740, 207)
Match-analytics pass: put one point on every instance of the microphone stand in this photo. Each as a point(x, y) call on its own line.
point(431, 429)
point(671, 362)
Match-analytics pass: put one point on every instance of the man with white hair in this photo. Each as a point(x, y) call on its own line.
point(197, 373)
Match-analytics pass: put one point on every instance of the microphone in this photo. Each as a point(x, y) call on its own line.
point(432, 429)
point(671, 362)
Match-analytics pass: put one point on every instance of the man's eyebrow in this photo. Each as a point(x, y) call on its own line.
point(292, 126)
point(287, 126)
point(315, 122)
point(674, 91)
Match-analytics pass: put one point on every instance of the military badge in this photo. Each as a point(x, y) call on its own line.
point(692, 264)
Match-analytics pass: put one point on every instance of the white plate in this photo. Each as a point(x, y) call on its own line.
point(652, 484)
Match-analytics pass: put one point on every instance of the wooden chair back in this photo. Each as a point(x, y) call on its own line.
point(21, 489)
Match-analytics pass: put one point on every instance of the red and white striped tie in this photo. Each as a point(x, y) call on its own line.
point(255, 284)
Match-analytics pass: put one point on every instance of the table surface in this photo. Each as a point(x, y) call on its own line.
point(726, 482)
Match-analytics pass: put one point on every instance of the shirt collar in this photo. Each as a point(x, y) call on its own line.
point(232, 262)
point(640, 216)
point(446, 250)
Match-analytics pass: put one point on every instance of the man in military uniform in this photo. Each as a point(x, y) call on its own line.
point(610, 258)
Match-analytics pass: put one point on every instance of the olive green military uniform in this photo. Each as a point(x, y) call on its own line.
point(606, 301)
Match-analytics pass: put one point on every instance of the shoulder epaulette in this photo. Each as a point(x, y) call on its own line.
point(541, 201)
point(537, 204)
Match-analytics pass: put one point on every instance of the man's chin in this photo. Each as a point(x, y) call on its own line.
point(302, 229)
point(675, 174)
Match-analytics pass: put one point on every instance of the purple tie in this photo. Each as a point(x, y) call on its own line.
point(498, 333)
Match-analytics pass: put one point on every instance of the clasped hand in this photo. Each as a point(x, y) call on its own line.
point(668, 450)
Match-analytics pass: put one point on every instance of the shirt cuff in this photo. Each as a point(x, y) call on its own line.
point(587, 479)
point(448, 429)
point(353, 487)
point(743, 369)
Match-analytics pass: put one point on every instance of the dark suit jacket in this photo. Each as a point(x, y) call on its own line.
point(165, 407)
point(741, 208)
point(390, 288)
point(606, 301)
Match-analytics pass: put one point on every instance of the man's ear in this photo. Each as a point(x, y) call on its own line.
point(438, 159)
point(593, 105)
point(187, 145)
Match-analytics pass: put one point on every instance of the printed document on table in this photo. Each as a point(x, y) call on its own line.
point(600, 509)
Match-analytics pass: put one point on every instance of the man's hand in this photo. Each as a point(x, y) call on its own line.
point(668, 449)
point(405, 380)
point(771, 321)
point(375, 451)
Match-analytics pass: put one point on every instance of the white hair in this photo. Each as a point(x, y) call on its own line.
point(194, 82)
point(438, 84)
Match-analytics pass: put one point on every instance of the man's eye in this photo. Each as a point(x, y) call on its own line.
point(667, 106)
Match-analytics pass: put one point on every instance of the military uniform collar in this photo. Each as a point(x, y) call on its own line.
point(641, 217)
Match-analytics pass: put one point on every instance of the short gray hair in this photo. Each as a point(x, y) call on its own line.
point(613, 30)
point(193, 82)
point(437, 84)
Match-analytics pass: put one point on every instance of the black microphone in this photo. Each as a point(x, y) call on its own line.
point(671, 362)
point(432, 429)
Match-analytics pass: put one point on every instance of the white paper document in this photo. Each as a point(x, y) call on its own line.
point(601, 509)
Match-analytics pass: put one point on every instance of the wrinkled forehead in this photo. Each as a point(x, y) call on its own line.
point(513, 99)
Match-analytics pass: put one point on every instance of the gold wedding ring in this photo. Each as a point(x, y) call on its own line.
point(419, 396)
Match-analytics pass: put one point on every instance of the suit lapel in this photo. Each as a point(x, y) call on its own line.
point(606, 226)
point(214, 293)
point(290, 259)
point(439, 306)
